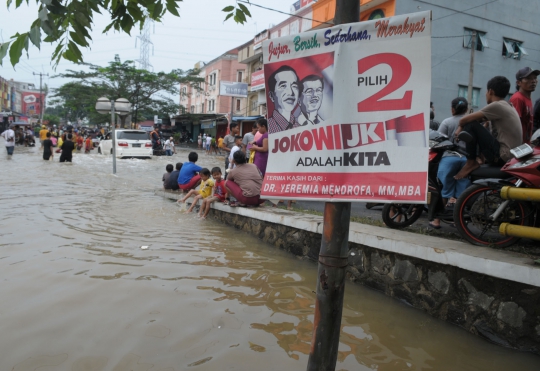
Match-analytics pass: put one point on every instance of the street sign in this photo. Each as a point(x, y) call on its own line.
point(233, 89)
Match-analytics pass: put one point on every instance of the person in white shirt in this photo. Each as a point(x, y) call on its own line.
point(169, 146)
point(237, 147)
point(9, 137)
point(208, 144)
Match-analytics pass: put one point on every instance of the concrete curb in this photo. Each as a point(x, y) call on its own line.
point(482, 260)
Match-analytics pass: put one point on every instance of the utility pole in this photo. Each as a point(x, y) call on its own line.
point(471, 69)
point(232, 110)
point(41, 100)
point(144, 59)
point(333, 257)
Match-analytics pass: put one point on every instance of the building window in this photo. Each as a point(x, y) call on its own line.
point(202, 107)
point(513, 49)
point(462, 92)
point(254, 103)
point(481, 40)
point(211, 105)
point(212, 79)
point(238, 105)
point(239, 76)
point(192, 109)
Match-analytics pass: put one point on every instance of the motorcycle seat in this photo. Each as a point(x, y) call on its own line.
point(489, 171)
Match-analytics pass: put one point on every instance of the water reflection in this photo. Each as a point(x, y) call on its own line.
point(79, 293)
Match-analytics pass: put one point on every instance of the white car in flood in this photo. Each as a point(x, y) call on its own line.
point(129, 143)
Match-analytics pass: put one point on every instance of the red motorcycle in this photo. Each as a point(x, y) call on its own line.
point(490, 204)
point(397, 216)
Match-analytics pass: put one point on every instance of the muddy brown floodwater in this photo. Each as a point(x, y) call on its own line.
point(78, 293)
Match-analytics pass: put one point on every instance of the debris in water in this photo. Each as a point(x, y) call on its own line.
point(145, 247)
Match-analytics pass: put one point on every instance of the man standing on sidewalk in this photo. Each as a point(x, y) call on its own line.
point(527, 79)
point(248, 138)
point(9, 137)
point(228, 142)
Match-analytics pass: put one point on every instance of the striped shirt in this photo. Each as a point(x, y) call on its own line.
point(278, 123)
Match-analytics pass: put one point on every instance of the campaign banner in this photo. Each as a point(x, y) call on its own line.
point(233, 89)
point(257, 80)
point(348, 112)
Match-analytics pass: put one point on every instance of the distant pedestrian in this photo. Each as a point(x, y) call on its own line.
point(228, 142)
point(173, 146)
point(168, 148)
point(248, 140)
point(199, 141)
point(48, 153)
point(67, 149)
point(237, 147)
point(526, 81)
point(9, 137)
point(88, 145)
point(80, 142)
point(208, 143)
point(43, 134)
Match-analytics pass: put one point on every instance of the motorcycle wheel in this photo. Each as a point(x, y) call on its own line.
point(399, 216)
point(472, 211)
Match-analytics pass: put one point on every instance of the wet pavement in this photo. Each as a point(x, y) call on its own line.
point(79, 293)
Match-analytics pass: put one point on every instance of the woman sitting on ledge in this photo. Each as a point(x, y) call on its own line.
point(244, 181)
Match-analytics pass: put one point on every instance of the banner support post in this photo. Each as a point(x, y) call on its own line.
point(333, 256)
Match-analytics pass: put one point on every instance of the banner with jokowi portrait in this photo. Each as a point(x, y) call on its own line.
point(348, 112)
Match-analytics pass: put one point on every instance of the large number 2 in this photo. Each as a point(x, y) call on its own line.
point(401, 71)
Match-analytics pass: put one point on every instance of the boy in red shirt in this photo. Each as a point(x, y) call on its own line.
point(219, 193)
point(527, 79)
point(88, 144)
point(80, 142)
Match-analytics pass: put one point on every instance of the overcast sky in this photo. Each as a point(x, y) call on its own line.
point(198, 35)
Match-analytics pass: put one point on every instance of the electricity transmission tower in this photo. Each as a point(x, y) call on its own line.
point(144, 59)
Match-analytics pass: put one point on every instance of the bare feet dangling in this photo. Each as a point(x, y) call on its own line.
point(470, 166)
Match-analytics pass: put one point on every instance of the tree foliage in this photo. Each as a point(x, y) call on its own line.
point(68, 23)
point(149, 92)
point(51, 119)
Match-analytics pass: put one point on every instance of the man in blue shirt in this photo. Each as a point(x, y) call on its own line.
point(189, 178)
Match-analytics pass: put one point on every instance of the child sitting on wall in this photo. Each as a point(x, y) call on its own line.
point(219, 193)
point(188, 178)
point(165, 179)
point(204, 191)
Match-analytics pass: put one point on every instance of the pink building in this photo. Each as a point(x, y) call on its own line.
point(210, 111)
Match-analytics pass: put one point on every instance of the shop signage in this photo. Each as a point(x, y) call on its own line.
point(233, 89)
point(257, 80)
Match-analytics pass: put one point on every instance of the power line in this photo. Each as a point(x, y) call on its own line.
point(457, 11)
point(279, 11)
point(447, 58)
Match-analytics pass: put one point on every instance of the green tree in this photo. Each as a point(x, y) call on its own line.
point(149, 92)
point(68, 23)
point(51, 119)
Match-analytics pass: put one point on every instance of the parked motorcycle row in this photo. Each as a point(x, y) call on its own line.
point(501, 206)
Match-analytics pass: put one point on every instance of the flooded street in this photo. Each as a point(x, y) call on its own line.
point(78, 292)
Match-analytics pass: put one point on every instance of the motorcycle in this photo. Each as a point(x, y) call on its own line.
point(29, 141)
point(498, 212)
point(399, 216)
